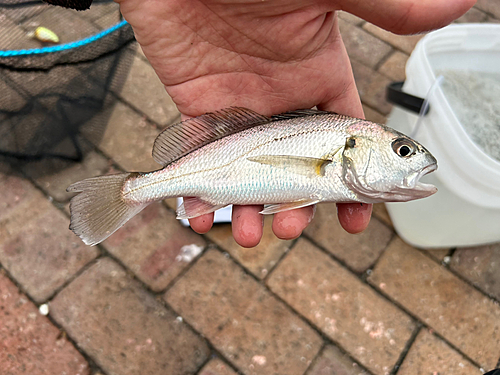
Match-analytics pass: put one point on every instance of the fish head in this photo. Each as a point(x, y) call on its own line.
point(382, 165)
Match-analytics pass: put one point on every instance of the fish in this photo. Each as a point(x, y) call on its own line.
point(238, 156)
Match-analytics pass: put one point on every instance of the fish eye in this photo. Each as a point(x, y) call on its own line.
point(350, 142)
point(404, 147)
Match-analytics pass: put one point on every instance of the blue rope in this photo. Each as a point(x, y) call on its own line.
point(63, 47)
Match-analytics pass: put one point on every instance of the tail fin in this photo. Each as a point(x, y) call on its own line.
point(100, 210)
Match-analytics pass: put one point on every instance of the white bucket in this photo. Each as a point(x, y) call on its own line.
point(466, 209)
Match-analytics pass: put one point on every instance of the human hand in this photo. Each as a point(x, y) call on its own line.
point(271, 56)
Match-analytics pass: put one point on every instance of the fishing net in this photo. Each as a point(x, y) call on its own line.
point(56, 96)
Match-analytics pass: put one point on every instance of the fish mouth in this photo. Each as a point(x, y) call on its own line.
point(411, 188)
point(412, 183)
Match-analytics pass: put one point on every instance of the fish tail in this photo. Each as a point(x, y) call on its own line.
point(100, 209)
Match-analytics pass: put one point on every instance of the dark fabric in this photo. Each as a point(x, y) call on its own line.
point(73, 4)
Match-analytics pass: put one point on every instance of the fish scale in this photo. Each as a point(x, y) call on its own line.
point(204, 172)
point(224, 162)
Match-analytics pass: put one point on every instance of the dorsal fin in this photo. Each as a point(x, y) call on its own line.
point(300, 113)
point(184, 137)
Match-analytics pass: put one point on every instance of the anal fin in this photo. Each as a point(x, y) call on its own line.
point(194, 207)
point(280, 207)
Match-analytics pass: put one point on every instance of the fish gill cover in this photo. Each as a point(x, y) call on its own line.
point(60, 71)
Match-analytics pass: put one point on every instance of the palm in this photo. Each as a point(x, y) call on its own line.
point(271, 56)
point(212, 56)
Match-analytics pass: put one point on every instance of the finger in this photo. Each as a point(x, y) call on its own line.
point(408, 16)
point(202, 224)
point(288, 225)
point(247, 225)
point(354, 217)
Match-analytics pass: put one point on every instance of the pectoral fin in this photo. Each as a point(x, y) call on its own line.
point(309, 167)
point(280, 207)
point(194, 206)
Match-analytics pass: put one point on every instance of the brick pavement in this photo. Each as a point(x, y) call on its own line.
point(156, 298)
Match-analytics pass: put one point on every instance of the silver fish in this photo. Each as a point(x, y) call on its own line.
point(237, 156)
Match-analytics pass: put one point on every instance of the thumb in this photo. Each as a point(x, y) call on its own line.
point(408, 16)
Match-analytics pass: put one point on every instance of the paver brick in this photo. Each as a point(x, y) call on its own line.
point(489, 6)
point(217, 367)
point(381, 213)
point(474, 15)
point(491, 19)
point(438, 254)
point(55, 184)
point(123, 328)
point(430, 355)
point(480, 265)
point(5, 169)
point(36, 246)
point(155, 246)
point(333, 362)
point(145, 92)
point(463, 316)
point(29, 342)
point(405, 43)
point(348, 17)
point(171, 203)
point(371, 87)
point(242, 319)
point(373, 115)
point(362, 46)
point(17, 195)
point(136, 47)
point(128, 140)
point(370, 329)
point(394, 66)
point(358, 251)
point(44, 254)
point(260, 259)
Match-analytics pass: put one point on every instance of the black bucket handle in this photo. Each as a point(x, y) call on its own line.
point(395, 95)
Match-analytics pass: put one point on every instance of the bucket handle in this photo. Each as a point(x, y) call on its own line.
point(395, 95)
